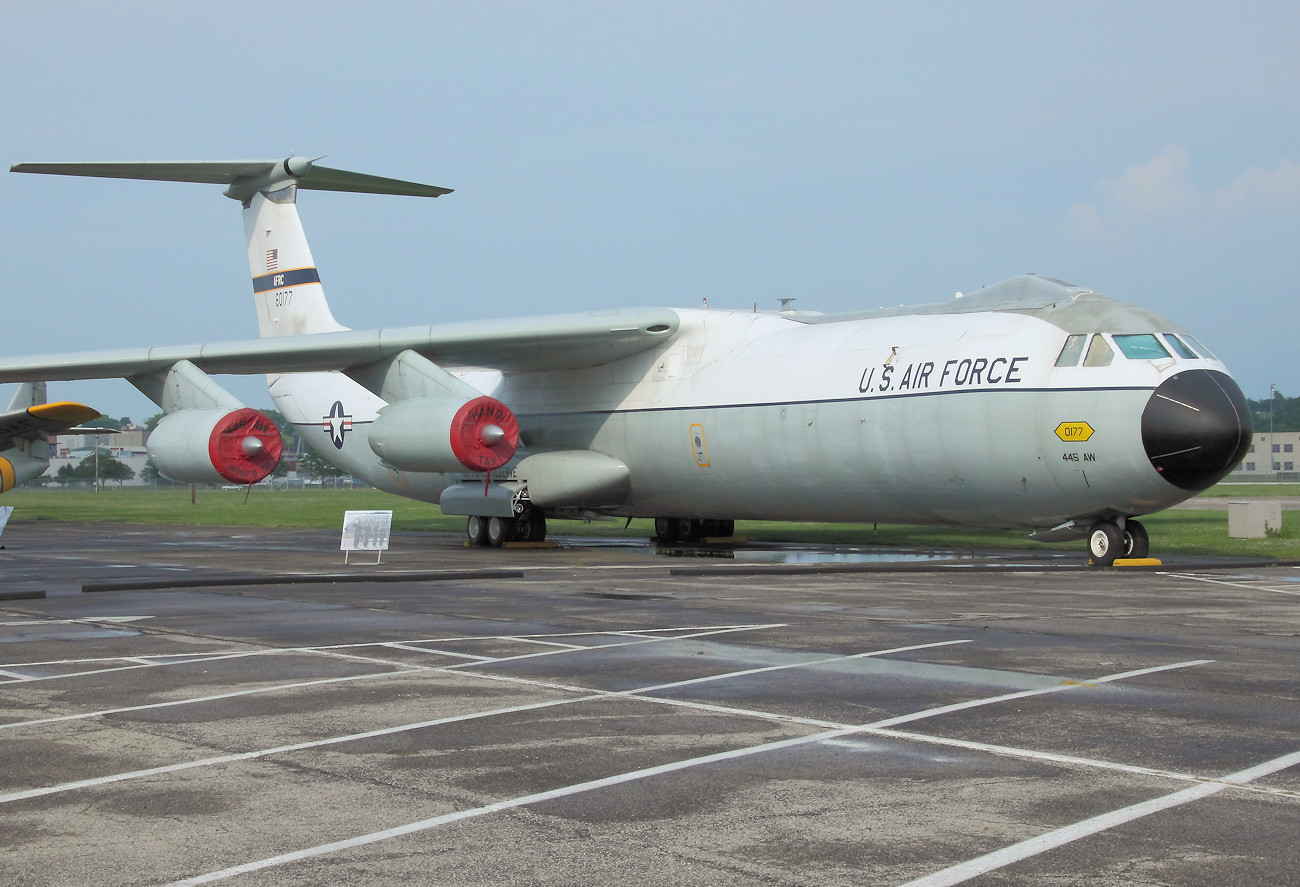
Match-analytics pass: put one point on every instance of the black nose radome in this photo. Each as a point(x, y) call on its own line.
point(1196, 428)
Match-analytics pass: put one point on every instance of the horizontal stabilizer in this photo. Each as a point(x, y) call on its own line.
point(44, 419)
point(242, 177)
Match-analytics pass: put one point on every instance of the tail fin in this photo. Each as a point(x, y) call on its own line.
point(29, 394)
point(286, 285)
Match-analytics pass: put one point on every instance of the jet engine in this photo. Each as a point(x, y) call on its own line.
point(215, 446)
point(445, 434)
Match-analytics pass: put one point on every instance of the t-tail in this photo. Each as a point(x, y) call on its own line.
point(286, 284)
point(26, 428)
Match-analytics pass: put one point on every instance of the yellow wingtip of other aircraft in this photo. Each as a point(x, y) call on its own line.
point(65, 411)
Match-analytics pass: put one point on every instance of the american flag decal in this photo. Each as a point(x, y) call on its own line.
point(272, 259)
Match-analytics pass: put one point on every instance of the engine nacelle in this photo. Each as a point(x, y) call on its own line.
point(445, 434)
point(215, 446)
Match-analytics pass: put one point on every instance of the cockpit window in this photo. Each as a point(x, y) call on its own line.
point(1099, 352)
point(1201, 349)
point(1072, 351)
point(1141, 347)
point(1180, 347)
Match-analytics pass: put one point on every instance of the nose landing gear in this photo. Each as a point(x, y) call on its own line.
point(1107, 541)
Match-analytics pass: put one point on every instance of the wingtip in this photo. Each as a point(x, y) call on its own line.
point(65, 411)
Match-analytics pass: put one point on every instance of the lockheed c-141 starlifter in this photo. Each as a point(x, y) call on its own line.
point(1031, 403)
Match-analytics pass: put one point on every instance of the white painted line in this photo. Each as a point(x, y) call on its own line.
point(510, 804)
point(83, 619)
point(282, 749)
point(214, 698)
point(16, 676)
point(181, 656)
point(189, 658)
point(197, 659)
point(1051, 840)
point(712, 632)
point(1245, 585)
point(1070, 760)
point(825, 660)
point(527, 640)
point(1155, 669)
point(400, 646)
point(353, 657)
point(583, 787)
point(590, 696)
point(1024, 694)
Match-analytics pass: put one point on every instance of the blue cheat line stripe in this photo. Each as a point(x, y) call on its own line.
point(281, 279)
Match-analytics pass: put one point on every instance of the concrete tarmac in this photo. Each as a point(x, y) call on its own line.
point(214, 706)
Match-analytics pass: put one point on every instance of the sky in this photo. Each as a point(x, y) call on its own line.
point(608, 155)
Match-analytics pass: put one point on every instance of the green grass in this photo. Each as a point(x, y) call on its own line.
point(1229, 491)
point(1172, 532)
point(319, 508)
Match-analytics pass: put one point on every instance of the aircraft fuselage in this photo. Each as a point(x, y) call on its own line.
point(951, 414)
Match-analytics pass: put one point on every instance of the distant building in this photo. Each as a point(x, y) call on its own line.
point(1271, 457)
point(132, 437)
point(127, 446)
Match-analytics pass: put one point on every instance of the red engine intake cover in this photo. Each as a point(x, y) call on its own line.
point(475, 450)
point(244, 446)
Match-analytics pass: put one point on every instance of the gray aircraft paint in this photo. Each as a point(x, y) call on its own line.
point(949, 413)
point(797, 438)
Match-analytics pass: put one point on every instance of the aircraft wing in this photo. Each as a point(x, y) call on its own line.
point(552, 342)
point(39, 421)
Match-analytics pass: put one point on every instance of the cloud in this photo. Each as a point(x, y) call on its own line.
point(1161, 193)
point(1258, 190)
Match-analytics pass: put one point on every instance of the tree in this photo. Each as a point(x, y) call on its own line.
point(1283, 411)
point(112, 469)
point(84, 472)
point(151, 474)
point(311, 464)
point(106, 422)
point(290, 439)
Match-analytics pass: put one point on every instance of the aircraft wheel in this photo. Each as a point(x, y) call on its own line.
point(500, 530)
point(1105, 543)
point(530, 526)
point(1136, 541)
point(666, 531)
point(725, 528)
point(476, 530)
point(690, 530)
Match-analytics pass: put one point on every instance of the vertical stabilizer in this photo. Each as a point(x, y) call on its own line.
point(286, 285)
point(29, 394)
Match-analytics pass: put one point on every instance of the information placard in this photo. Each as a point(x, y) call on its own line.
point(366, 531)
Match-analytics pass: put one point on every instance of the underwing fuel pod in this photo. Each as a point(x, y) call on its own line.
point(1032, 403)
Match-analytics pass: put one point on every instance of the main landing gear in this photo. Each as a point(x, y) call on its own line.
point(683, 530)
point(528, 525)
point(1107, 541)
